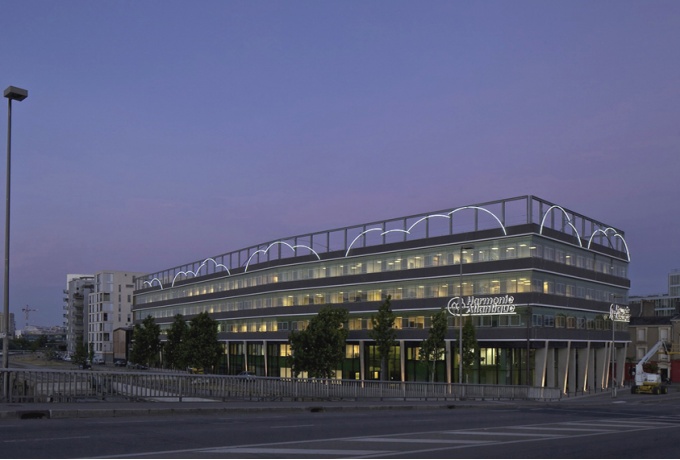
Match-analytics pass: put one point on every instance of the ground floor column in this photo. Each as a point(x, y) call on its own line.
point(245, 355)
point(226, 351)
point(550, 380)
point(620, 365)
point(563, 368)
point(362, 359)
point(540, 361)
point(602, 361)
point(402, 359)
point(266, 354)
point(583, 361)
point(447, 354)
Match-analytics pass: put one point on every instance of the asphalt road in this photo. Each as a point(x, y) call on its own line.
point(634, 426)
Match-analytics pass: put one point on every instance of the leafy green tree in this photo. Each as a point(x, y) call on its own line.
point(320, 348)
point(201, 348)
point(384, 335)
point(90, 354)
point(469, 346)
point(433, 348)
point(80, 354)
point(146, 342)
point(174, 352)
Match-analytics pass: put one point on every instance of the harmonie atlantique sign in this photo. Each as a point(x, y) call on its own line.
point(619, 313)
point(471, 305)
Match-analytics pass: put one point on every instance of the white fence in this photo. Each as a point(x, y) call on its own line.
point(29, 385)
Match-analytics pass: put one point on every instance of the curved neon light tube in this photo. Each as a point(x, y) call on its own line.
point(481, 209)
point(362, 234)
point(408, 231)
point(616, 234)
point(186, 273)
point(545, 215)
point(264, 251)
point(150, 283)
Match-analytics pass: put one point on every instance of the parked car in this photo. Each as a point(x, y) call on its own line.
point(97, 360)
point(137, 366)
point(119, 362)
point(247, 375)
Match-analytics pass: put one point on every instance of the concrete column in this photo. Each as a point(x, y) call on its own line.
point(563, 367)
point(245, 355)
point(621, 365)
point(602, 363)
point(226, 351)
point(540, 364)
point(362, 359)
point(266, 367)
point(583, 359)
point(572, 384)
point(447, 355)
point(550, 369)
point(592, 376)
point(402, 359)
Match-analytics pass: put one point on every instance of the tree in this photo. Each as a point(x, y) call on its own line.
point(433, 348)
point(320, 348)
point(174, 352)
point(80, 354)
point(146, 342)
point(201, 348)
point(384, 335)
point(469, 346)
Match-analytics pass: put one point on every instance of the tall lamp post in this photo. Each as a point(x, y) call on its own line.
point(460, 315)
point(616, 313)
point(12, 93)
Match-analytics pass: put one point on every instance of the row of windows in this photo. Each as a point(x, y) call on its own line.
point(511, 248)
point(507, 283)
point(573, 322)
point(424, 322)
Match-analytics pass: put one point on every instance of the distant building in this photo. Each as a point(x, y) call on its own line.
point(76, 298)
point(656, 318)
point(109, 308)
point(12, 324)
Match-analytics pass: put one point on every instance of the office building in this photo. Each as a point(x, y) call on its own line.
point(537, 279)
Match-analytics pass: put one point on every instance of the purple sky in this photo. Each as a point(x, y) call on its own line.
point(157, 133)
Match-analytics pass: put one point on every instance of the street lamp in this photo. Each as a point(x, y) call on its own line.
point(16, 94)
point(616, 313)
point(460, 315)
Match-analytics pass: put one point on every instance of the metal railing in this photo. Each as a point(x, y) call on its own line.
point(33, 386)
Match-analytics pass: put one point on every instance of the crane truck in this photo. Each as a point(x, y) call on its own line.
point(646, 382)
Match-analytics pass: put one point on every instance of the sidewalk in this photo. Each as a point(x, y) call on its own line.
point(198, 406)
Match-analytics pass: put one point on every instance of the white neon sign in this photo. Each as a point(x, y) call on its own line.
point(619, 313)
point(480, 306)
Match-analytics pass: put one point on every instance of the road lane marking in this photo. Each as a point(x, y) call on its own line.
point(65, 438)
point(421, 441)
point(287, 451)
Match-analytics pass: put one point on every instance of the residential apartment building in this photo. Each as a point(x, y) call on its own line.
point(537, 279)
point(76, 298)
point(109, 308)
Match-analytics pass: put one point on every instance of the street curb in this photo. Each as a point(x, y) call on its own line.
point(103, 412)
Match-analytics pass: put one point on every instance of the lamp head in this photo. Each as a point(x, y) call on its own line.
point(14, 93)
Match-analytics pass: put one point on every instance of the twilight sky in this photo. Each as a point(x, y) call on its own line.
point(157, 133)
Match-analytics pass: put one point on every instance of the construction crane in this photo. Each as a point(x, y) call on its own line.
point(27, 310)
